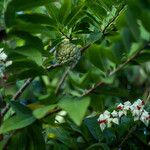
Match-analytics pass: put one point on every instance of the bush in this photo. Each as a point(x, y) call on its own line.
point(65, 62)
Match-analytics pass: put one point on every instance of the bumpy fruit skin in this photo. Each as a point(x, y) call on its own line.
point(67, 53)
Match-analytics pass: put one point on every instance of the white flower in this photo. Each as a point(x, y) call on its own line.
point(121, 109)
point(127, 105)
point(60, 117)
point(115, 117)
point(115, 120)
point(136, 112)
point(8, 63)
point(104, 120)
point(145, 117)
point(137, 109)
point(139, 104)
point(3, 56)
point(107, 113)
point(114, 113)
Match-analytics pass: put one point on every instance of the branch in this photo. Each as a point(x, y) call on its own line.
point(23, 88)
point(84, 48)
point(53, 66)
point(127, 136)
point(62, 80)
point(113, 19)
point(120, 67)
point(105, 28)
point(66, 36)
point(17, 95)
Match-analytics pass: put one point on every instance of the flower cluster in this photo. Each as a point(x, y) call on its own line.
point(136, 109)
point(3, 63)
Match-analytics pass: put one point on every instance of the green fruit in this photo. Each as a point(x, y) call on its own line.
point(67, 53)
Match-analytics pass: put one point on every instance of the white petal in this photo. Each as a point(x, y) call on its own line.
point(120, 105)
point(3, 56)
point(125, 112)
point(106, 113)
point(127, 103)
point(8, 63)
point(115, 120)
point(109, 124)
point(114, 113)
point(120, 113)
point(139, 101)
point(101, 117)
point(136, 118)
point(102, 126)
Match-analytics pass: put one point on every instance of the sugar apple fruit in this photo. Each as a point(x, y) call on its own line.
point(67, 53)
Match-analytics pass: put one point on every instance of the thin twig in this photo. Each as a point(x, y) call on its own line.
point(53, 66)
point(17, 95)
point(113, 19)
point(22, 89)
point(84, 48)
point(127, 136)
point(65, 35)
point(120, 67)
point(62, 80)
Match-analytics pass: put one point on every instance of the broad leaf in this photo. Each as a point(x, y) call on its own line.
point(16, 122)
point(75, 107)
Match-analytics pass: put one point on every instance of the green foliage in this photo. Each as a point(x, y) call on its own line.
point(109, 41)
point(75, 107)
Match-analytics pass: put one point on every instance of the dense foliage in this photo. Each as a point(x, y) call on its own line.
point(63, 63)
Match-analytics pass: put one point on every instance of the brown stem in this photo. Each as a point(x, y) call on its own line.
point(17, 95)
point(120, 67)
point(113, 19)
point(62, 80)
point(22, 89)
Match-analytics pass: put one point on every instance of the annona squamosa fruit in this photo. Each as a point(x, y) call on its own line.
point(67, 53)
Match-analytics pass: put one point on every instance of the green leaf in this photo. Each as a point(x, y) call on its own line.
point(95, 57)
point(29, 39)
point(16, 122)
point(74, 16)
point(98, 145)
point(32, 28)
point(36, 136)
point(64, 10)
point(94, 127)
point(20, 5)
point(41, 112)
point(27, 4)
point(143, 57)
point(97, 9)
point(19, 140)
point(26, 73)
point(75, 107)
point(134, 49)
point(145, 18)
point(118, 92)
point(31, 52)
point(37, 18)
point(20, 109)
point(62, 135)
point(24, 63)
point(53, 12)
point(133, 26)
